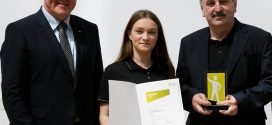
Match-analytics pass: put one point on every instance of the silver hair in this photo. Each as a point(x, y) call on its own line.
point(235, 2)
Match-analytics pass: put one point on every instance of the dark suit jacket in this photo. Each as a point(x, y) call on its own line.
point(249, 69)
point(37, 84)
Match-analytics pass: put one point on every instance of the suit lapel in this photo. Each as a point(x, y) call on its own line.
point(203, 42)
point(48, 35)
point(203, 54)
point(239, 41)
point(79, 40)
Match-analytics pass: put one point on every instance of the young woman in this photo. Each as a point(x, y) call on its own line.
point(143, 57)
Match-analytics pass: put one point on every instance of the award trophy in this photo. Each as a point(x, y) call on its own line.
point(216, 90)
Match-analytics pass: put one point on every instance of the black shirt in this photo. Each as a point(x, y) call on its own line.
point(129, 71)
point(219, 52)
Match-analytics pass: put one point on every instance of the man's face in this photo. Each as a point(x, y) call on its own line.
point(60, 9)
point(218, 13)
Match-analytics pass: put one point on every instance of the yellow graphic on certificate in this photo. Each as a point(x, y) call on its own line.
point(155, 95)
point(216, 86)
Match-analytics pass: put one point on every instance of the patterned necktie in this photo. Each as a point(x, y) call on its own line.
point(68, 54)
point(65, 46)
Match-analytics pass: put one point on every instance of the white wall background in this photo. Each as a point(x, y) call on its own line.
point(178, 17)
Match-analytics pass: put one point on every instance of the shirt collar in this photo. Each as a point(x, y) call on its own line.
point(132, 66)
point(53, 21)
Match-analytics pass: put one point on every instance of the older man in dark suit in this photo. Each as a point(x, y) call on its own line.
point(242, 51)
point(51, 66)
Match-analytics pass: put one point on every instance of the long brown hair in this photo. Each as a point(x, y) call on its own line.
point(159, 53)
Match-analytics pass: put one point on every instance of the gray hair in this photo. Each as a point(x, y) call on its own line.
point(235, 2)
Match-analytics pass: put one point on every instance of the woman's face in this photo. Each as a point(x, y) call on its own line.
point(144, 35)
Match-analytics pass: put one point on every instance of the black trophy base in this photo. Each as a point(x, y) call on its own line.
point(215, 107)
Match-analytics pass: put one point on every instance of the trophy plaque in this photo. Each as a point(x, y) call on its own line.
point(216, 90)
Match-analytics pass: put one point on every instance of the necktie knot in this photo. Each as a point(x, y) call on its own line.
point(62, 25)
